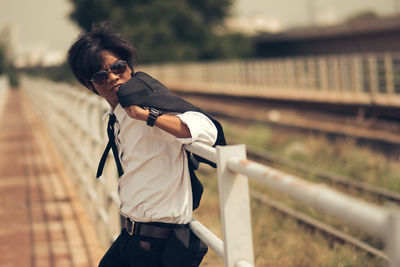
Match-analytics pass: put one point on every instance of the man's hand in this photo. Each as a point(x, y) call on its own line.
point(137, 112)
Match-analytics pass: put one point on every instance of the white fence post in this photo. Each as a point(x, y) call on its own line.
point(393, 237)
point(235, 208)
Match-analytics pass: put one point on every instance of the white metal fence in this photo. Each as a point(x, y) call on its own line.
point(73, 118)
point(355, 78)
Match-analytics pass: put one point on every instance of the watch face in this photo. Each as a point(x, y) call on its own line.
point(155, 111)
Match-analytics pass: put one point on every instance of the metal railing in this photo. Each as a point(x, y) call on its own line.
point(73, 119)
point(234, 168)
point(347, 79)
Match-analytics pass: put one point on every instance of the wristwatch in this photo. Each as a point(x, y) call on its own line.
point(153, 115)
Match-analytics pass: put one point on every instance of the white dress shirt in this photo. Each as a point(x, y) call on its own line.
point(155, 186)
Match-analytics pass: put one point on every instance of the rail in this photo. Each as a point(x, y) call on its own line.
point(73, 116)
point(364, 79)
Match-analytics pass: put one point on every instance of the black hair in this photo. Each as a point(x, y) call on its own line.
point(84, 56)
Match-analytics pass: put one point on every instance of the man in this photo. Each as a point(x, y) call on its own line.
point(154, 185)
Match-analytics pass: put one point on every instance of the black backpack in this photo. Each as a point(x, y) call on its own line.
point(143, 90)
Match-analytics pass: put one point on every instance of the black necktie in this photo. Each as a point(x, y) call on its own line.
point(111, 144)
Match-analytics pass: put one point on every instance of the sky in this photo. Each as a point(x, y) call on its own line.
point(45, 23)
point(39, 22)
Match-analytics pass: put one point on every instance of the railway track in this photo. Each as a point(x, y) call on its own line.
point(328, 231)
point(309, 222)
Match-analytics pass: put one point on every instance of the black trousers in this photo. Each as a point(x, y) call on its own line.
point(134, 251)
point(143, 251)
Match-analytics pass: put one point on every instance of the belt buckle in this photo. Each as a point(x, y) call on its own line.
point(130, 229)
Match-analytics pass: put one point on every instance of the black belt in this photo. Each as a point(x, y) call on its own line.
point(155, 230)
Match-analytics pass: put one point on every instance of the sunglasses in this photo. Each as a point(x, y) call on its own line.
point(101, 76)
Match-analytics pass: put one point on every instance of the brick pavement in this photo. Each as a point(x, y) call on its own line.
point(42, 222)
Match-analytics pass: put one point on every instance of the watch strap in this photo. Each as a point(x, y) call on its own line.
point(153, 115)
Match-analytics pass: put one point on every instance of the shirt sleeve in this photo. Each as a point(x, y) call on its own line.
point(202, 129)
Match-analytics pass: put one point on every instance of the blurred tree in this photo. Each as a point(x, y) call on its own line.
point(174, 30)
point(7, 68)
point(363, 16)
point(3, 59)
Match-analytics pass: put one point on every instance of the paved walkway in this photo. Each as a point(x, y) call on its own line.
point(42, 222)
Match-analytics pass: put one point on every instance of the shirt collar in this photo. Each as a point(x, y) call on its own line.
point(118, 111)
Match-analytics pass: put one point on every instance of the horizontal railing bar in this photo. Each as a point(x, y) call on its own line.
point(103, 215)
point(367, 216)
point(208, 237)
point(203, 150)
point(243, 263)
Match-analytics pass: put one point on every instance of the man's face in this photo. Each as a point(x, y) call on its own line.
point(109, 88)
